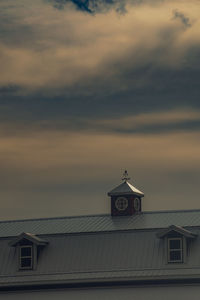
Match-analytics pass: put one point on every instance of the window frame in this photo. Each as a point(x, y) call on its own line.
point(121, 203)
point(29, 256)
point(180, 250)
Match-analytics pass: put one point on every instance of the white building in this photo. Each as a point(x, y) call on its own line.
point(128, 254)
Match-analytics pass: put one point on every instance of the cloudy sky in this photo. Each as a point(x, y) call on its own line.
point(89, 88)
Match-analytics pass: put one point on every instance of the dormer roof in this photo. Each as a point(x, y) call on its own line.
point(177, 229)
point(30, 237)
point(125, 188)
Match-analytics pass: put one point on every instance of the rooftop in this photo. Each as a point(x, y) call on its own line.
point(101, 223)
point(99, 248)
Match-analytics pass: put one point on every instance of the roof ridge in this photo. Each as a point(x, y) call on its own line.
point(53, 218)
point(97, 215)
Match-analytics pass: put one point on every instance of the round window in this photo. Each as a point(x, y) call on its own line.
point(121, 203)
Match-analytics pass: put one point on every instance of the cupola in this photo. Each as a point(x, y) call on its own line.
point(125, 198)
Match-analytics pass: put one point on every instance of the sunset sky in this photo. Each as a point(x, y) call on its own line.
point(89, 88)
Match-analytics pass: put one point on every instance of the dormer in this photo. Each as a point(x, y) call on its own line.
point(125, 198)
point(176, 241)
point(28, 247)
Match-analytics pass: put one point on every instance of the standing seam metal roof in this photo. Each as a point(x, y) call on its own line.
point(120, 250)
point(131, 255)
point(99, 223)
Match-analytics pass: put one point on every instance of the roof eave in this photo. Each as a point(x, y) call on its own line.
point(125, 193)
point(145, 280)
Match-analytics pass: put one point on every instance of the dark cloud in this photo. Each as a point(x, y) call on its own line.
point(101, 6)
point(132, 90)
point(141, 80)
point(91, 88)
point(96, 6)
point(180, 16)
point(147, 88)
point(7, 89)
point(80, 4)
point(19, 117)
point(142, 76)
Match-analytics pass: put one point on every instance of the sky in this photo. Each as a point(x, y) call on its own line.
point(89, 88)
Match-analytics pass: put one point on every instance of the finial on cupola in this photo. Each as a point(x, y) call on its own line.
point(125, 176)
point(125, 198)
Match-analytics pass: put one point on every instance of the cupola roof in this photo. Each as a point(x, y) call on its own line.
point(125, 188)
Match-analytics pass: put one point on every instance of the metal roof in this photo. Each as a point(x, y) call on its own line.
point(89, 257)
point(100, 248)
point(99, 223)
point(125, 188)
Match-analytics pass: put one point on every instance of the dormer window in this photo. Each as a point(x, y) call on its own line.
point(26, 257)
point(175, 250)
point(175, 243)
point(28, 248)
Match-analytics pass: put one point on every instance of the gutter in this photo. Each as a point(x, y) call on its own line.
point(95, 283)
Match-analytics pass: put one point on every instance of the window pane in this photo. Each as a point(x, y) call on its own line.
point(26, 251)
point(26, 263)
point(175, 255)
point(175, 244)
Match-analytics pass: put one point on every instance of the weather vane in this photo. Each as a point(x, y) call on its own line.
point(125, 176)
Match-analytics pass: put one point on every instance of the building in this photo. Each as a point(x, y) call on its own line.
point(128, 254)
